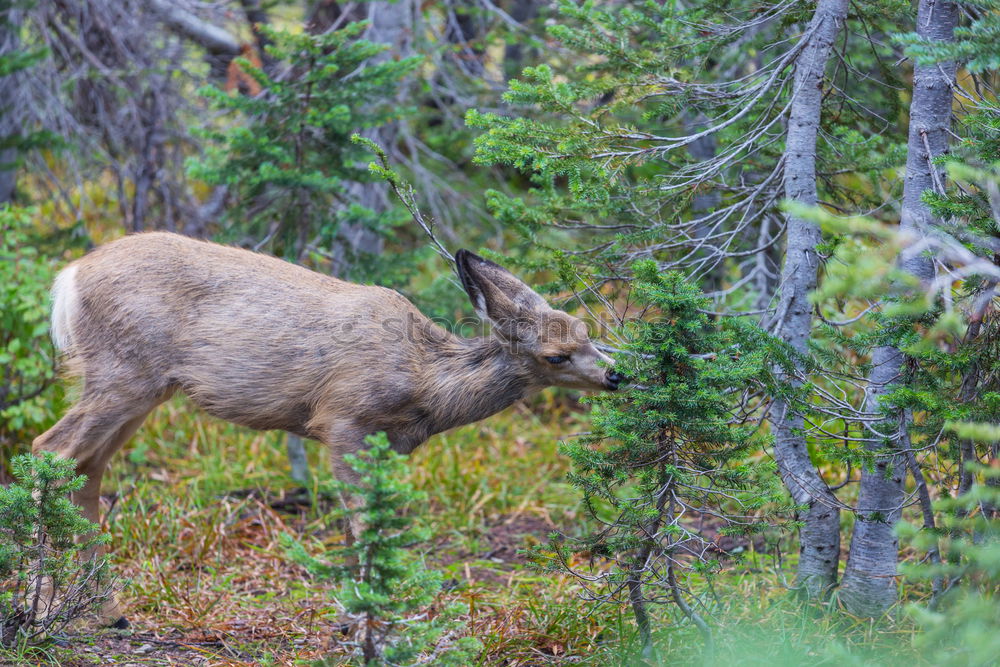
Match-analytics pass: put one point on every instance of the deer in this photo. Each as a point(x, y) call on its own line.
point(271, 345)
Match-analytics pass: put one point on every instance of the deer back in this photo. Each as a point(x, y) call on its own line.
point(250, 338)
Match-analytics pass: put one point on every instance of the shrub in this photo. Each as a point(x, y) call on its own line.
point(290, 162)
point(27, 358)
point(45, 581)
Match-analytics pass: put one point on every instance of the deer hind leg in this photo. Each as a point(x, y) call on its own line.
point(91, 432)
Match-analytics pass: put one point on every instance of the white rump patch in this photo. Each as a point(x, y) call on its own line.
point(65, 303)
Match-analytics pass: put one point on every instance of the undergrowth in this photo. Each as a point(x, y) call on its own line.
point(195, 509)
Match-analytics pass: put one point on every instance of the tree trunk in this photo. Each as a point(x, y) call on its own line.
point(521, 11)
point(257, 17)
point(820, 536)
point(296, 449)
point(869, 586)
point(10, 121)
point(705, 200)
point(217, 41)
point(391, 24)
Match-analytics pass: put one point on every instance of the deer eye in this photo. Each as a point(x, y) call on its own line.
point(558, 359)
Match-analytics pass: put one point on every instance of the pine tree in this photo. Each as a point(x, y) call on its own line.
point(44, 585)
point(288, 157)
point(675, 445)
point(387, 591)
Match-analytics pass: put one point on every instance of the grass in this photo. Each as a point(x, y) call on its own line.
point(196, 507)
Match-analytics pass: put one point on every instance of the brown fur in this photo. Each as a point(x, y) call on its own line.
point(270, 345)
point(237, 78)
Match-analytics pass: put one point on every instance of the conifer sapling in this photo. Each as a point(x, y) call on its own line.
point(45, 584)
point(386, 591)
point(680, 445)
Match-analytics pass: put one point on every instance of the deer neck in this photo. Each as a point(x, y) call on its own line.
point(468, 379)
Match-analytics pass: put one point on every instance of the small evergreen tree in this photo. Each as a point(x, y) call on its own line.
point(288, 159)
point(386, 590)
point(44, 583)
point(680, 443)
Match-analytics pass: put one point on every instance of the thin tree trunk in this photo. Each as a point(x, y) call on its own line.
point(257, 17)
point(392, 23)
point(8, 171)
point(10, 122)
point(869, 585)
point(819, 537)
point(638, 603)
point(969, 389)
point(296, 448)
point(924, 495)
point(521, 11)
point(705, 200)
point(640, 561)
point(216, 40)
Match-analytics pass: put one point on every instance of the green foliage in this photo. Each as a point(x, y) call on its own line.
point(27, 358)
point(44, 584)
point(386, 589)
point(590, 136)
point(287, 157)
point(607, 135)
point(607, 139)
point(974, 45)
point(961, 626)
point(674, 446)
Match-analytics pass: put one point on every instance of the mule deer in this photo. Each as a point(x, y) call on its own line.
point(270, 345)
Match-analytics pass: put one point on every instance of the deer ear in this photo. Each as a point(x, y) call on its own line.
point(463, 262)
point(495, 292)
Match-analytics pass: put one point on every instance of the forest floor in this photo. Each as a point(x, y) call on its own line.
point(195, 508)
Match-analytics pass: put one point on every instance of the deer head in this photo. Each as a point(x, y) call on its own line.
point(553, 346)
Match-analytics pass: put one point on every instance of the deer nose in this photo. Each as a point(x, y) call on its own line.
point(615, 378)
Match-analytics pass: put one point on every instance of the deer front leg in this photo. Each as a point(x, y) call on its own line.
point(345, 438)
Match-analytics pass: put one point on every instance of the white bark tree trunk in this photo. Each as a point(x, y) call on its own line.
point(869, 585)
point(295, 447)
point(819, 538)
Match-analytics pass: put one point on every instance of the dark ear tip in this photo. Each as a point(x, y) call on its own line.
point(463, 256)
point(462, 262)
